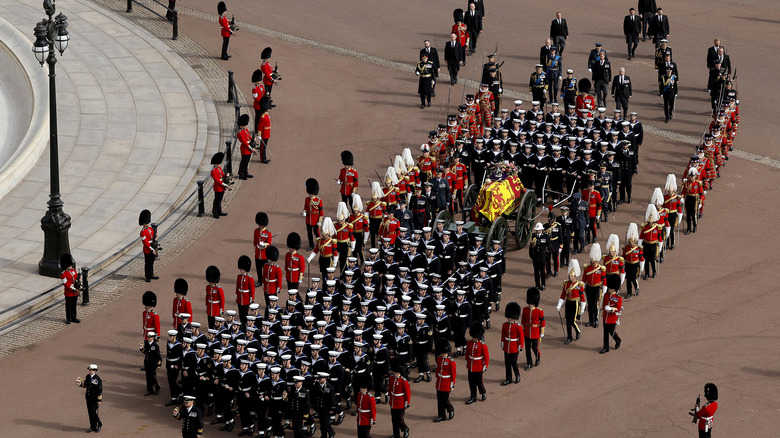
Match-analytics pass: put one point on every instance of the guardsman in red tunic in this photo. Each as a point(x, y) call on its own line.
point(149, 242)
point(359, 222)
point(612, 307)
point(389, 193)
point(225, 29)
point(585, 103)
point(389, 228)
point(487, 105)
point(461, 180)
point(366, 408)
point(376, 210)
point(613, 262)
point(657, 199)
point(573, 295)
point(348, 177)
point(326, 248)
point(400, 397)
point(461, 30)
point(220, 184)
point(634, 259)
point(445, 380)
point(294, 263)
point(705, 413)
point(268, 71)
point(245, 287)
point(258, 92)
point(673, 204)
point(477, 361)
point(593, 198)
point(650, 237)
point(151, 320)
point(512, 342)
point(533, 326)
point(412, 171)
point(693, 195)
point(312, 211)
point(215, 295)
point(272, 274)
point(180, 302)
point(264, 128)
point(70, 285)
point(595, 279)
point(426, 163)
point(262, 239)
point(473, 109)
point(345, 241)
point(245, 139)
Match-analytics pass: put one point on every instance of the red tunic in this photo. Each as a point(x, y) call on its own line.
point(573, 291)
point(244, 137)
point(594, 275)
point(272, 279)
point(294, 267)
point(613, 265)
point(257, 93)
point(245, 289)
point(358, 222)
point(262, 236)
point(587, 103)
point(215, 300)
point(461, 173)
point(348, 177)
point(366, 409)
point(691, 187)
point(426, 164)
point(445, 373)
point(614, 301)
point(593, 198)
point(151, 322)
point(344, 233)
point(389, 196)
point(477, 356)
point(267, 70)
point(487, 105)
point(512, 339)
point(180, 305)
point(672, 203)
point(651, 233)
point(532, 321)
point(218, 175)
point(68, 278)
point(633, 254)
point(399, 392)
point(147, 237)
point(264, 126)
point(389, 229)
point(375, 209)
point(224, 24)
point(313, 208)
point(462, 32)
point(705, 415)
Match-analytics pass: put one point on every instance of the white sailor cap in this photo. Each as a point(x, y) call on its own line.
point(92, 367)
point(172, 333)
point(151, 334)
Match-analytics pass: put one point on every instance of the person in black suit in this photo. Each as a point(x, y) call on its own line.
point(647, 10)
point(545, 50)
point(621, 90)
point(452, 56)
point(724, 60)
point(433, 58)
point(712, 54)
point(602, 73)
point(659, 27)
point(631, 29)
point(480, 6)
point(559, 32)
point(669, 93)
point(473, 23)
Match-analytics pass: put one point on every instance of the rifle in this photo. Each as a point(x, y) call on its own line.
point(695, 410)
point(275, 73)
point(233, 26)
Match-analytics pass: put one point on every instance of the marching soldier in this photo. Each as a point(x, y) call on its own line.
point(348, 178)
point(192, 418)
point(595, 203)
point(246, 398)
point(149, 241)
point(245, 288)
point(691, 192)
point(424, 71)
point(423, 338)
point(180, 302)
point(574, 296)
point(215, 295)
point(673, 205)
point(569, 89)
point(400, 397)
point(613, 262)
point(512, 342)
point(668, 89)
point(366, 408)
point(538, 250)
point(312, 211)
point(604, 185)
point(152, 360)
point(225, 31)
point(262, 240)
point(173, 360)
point(268, 72)
point(705, 413)
point(359, 221)
point(627, 159)
point(93, 386)
point(461, 30)
point(345, 240)
point(634, 259)
point(657, 199)
point(323, 400)
point(258, 92)
point(375, 208)
point(595, 280)
point(537, 85)
point(272, 275)
point(294, 263)
point(151, 320)
point(446, 372)
point(567, 233)
point(650, 237)
point(71, 287)
point(552, 66)
point(533, 324)
point(326, 247)
point(477, 361)
point(299, 405)
point(554, 232)
point(612, 307)
point(220, 184)
point(264, 125)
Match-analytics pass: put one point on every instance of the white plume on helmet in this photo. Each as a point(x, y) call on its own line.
point(658, 197)
point(651, 215)
point(574, 267)
point(693, 172)
point(407, 156)
point(400, 167)
point(376, 189)
point(671, 183)
point(632, 233)
point(391, 175)
point(595, 252)
point(342, 211)
point(327, 227)
point(613, 243)
point(357, 203)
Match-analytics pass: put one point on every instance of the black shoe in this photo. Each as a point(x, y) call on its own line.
point(484, 396)
point(487, 323)
point(211, 410)
point(505, 382)
point(223, 214)
point(517, 380)
point(155, 277)
point(452, 414)
point(596, 324)
point(229, 426)
point(429, 104)
point(555, 274)
point(543, 288)
point(242, 177)
point(218, 420)
point(471, 400)
point(604, 350)
point(417, 380)
point(157, 390)
point(148, 280)
point(528, 367)
point(422, 105)
point(579, 335)
point(249, 176)
point(171, 402)
point(148, 393)
point(687, 232)
point(427, 376)
point(620, 202)
point(90, 430)
point(588, 324)
point(666, 120)
point(438, 419)
point(457, 353)
point(406, 433)
point(498, 306)
point(67, 322)
point(538, 361)
point(567, 341)
point(265, 161)
point(244, 432)
point(76, 320)
point(224, 58)
point(215, 216)
point(617, 344)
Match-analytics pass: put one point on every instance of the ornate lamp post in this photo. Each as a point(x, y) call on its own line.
point(51, 33)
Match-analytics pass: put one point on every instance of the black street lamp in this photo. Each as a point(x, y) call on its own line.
point(52, 33)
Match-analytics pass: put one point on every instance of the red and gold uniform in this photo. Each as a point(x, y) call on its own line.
point(512, 339)
point(389, 198)
point(585, 105)
point(257, 93)
point(573, 295)
point(438, 150)
point(593, 198)
point(366, 413)
point(313, 208)
point(215, 300)
point(180, 305)
point(475, 130)
point(348, 178)
point(487, 106)
point(267, 70)
point(651, 235)
point(634, 262)
point(446, 372)
point(264, 127)
point(389, 228)
point(532, 321)
point(262, 240)
point(327, 249)
point(402, 188)
point(413, 176)
point(426, 166)
point(245, 289)
point(400, 395)
point(613, 264)
point(612, 306)
point(594, 276)
point(462, 32)
point(294, 268)
point(272, 279)
point(151, 322)
point(461, 174)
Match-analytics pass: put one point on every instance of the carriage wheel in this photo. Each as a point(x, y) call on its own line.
point(526, 214)
point(446, 216)
point(470, 200)
point(498, 231)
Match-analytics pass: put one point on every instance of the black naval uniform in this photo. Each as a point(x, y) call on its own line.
point(540, 247)
point(152, 360)
point(323, 398)
point(192, 424)
point(538, 87)
point(173, 360)
point(299, 406)
point(93, 386)
point(425, 88)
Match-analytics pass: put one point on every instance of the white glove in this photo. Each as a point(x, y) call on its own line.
point(500, 90)
point(603, 290)
point(640, 242)
point(542, 335)
point(666, 230)
point(336, 261)
point(679, 218)
point(641, 266)
point(338, 182)
point(582, 309)
point(622, 278)
point(590, 71)
point(365, 236)
point(452, 386)
point(609, 308)
point(310, 258)
point(560, 304)
point(560, 250)
point(705, 192)
point(352, 244)
point(417, 73)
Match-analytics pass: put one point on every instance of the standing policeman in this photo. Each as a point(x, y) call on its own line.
point(94, 395)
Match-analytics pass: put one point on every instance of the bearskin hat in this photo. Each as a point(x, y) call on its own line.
point(512, 310)
point(149, 298)
point(212, 274)
point(294, 241)
point(244, 263)
point(180, 286)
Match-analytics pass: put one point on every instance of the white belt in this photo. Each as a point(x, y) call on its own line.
point(364, 410)
point(212, 301)
point(475, 358)
point(174, 360)
point(243, 290)
point(511, 339)
point(245, 389)
point(422, 342)
point(463, 316)
point(379, 362)
point(396, 395)
point(444, 377)
point(296, 269)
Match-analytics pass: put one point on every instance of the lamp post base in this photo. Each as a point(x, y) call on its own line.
point(55, 225)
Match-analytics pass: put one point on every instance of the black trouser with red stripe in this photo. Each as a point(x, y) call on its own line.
point(510, 365)
point(399, 425)
point(475, 382)
point(444, 404)
point(531, 344)
point(592, 293)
